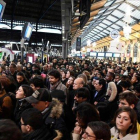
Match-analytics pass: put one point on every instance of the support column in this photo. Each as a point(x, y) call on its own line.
point(66, 20)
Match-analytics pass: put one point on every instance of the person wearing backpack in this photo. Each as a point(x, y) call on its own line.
point(6, 106)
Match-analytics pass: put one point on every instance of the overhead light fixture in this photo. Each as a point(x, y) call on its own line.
point(88, 42)
point(127, 20)
point(126, 31)
point(93, 44)
point(83, 49)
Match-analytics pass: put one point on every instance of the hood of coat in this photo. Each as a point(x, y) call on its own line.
point(56, 108)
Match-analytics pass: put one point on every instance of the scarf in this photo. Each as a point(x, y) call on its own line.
point(53, 87)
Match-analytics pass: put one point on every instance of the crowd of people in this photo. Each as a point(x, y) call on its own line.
point(70, 99)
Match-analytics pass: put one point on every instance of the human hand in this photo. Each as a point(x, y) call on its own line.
point(77, 129)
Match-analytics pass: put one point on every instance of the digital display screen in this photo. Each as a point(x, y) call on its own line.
point(116, 55)
point(1, 7)
point(101, 54)
point(93, 53)
point(87, 53)
point(30, 59)
point(28, 32)
point(108, 54)
point(78, 54)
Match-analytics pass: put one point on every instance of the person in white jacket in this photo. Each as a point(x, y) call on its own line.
point(125, 121)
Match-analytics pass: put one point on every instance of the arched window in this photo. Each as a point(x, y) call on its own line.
point(135, 50)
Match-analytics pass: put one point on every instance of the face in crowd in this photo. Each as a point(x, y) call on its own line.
point(78, 83)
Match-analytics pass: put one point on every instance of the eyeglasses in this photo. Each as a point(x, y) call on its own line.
point(21, 123)
point(87, 135)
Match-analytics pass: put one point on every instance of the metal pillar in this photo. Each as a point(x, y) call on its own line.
point(66, 20)
point(22, 46)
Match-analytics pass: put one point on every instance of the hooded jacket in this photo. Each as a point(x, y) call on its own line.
point(53, 117)
point(114, 135)
point(42, 134)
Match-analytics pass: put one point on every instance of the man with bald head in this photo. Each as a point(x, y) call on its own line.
point(81, 93)
point(78, 83)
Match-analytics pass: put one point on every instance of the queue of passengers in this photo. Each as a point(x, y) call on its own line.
point(70, 99)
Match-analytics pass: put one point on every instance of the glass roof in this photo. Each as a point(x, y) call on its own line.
point(118, 14)
point(115, 26)
point(107, 22)
point(136, 14)
point(109, 2)
point(135, 2)
point(111, 17)
point(102, 25)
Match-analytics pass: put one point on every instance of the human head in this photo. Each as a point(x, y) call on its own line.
point(12, 68)
point(19, 67)
point(5, 81)
point(96, 131)
point(110, 76)
point(85, 113)
point(84, 77)
point(135, 78)
point(45, 67)
point(70, 80)
point(117, 78)
point(31, 119)
point(100, 84)
point(59, 94)
point(71, 67)
point(35, 67)
point(9, 130)
point(78, 83)
point(24, 91)
point(94, 80)
point(132, 70)
point(20, 77)
point(99, 74)
point(124, 85)
point(81, 95)
point(63, 73)
point(54, 76)
point(86, 65)
point(128, 99)
point(85, 72)
point(125, 119)
point(70, 73)
point(137, 90)
point(40, 99)
point(50, 66)
point(36, 83)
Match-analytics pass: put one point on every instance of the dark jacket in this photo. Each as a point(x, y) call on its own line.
point(24, 82)
point(98, 96)
point(54, 120)
point(41, 134)
point(20, 107)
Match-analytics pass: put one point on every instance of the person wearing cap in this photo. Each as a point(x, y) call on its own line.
point(51, 109)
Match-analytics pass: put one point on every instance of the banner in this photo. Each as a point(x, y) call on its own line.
point(1, 55)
